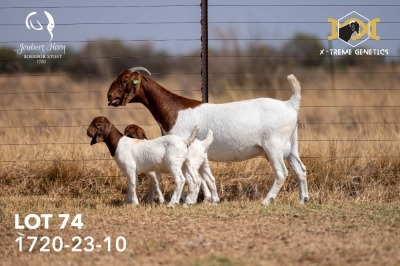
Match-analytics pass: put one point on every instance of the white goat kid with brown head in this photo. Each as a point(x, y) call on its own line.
point(160, 154)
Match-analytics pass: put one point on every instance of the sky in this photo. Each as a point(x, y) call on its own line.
point(174, 25)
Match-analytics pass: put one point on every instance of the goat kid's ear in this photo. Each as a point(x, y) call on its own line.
point(94, 139)
point(100, 135)
point(99, 138)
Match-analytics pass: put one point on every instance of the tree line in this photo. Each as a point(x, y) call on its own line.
point(108, 57)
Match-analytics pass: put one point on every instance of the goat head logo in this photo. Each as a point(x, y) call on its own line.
point(50, 25)
point(353, 29)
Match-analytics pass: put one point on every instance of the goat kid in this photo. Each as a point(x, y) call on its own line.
point(168, 152)
point(242, 130)
point(137, 133)
point(196, 159)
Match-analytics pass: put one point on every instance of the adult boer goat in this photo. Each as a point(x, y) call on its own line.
point(242, 129)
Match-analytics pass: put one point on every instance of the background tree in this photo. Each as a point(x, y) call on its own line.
point(304, 48)
point(8, 60)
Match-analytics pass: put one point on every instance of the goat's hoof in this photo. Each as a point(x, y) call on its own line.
point(215, 200)
point(171, 205)
point(186, 206)
point(207, 199)
point(187, 203)
point(268, 201)
point(129, 205)
point(304, 200)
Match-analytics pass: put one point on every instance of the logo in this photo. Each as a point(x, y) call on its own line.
point(40, 51)
point(353, 29)
point(50, 25)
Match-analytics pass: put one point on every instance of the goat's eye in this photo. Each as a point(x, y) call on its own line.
point(98, 125)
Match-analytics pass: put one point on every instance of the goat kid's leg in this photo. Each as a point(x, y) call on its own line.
point(132, 182)
point(154, 185)
point(275, 156)
point(301, 174)
point(191, 180)
point(208, 177)
point(192, 174)
point(179, 179)
point(204, 188)
point(158, 188)
point(150, 188)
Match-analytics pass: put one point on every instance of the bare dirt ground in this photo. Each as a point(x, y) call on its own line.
point(231, 233)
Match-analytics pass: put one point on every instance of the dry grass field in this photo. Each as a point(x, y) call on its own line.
point(349, 141)
point(232, 233)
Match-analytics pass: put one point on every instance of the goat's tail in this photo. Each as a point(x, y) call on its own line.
point(209, 138)
point(192, 136)
point(294, 101)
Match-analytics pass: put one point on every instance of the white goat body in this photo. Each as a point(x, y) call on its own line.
point(242, 126)
point(167, 153)
point(250, 128)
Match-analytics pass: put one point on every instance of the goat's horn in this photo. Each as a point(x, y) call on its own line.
point(133, 69)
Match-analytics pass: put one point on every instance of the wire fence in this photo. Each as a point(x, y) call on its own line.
point(9, 90)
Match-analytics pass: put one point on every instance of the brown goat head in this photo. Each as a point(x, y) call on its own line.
point(99, 129)
point(134, 131)
point(124, 88)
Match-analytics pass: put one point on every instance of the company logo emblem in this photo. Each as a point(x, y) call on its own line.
point(353, 29)
point(50, 25)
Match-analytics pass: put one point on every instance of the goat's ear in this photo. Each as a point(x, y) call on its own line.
point(97, 138)
point(128, 93)
point(136, 80)
point(94, 139)
point(131, 89)
point(100, 134)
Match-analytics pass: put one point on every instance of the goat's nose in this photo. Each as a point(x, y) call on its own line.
point(89, 131)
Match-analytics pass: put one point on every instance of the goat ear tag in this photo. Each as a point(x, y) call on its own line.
point(136, 82)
